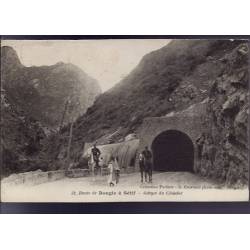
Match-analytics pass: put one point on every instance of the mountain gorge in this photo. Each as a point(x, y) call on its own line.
point(171, 79)
point(167, 80)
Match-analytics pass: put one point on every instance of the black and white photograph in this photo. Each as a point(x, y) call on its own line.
point(124, 120)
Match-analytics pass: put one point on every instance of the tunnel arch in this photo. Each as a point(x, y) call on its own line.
point(173, 150)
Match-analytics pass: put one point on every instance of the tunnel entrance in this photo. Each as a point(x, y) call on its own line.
point(173, 150)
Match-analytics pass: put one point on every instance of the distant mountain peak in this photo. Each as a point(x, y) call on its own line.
point(9, 57)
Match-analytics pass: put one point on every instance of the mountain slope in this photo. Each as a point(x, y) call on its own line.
point(32, 105)
point(169, 79)
point(43, 91)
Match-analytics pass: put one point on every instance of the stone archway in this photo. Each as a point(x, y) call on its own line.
point(173, 150)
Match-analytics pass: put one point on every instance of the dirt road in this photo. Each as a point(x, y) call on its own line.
point(166, 186)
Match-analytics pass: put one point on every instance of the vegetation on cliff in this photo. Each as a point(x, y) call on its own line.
point(225, 154)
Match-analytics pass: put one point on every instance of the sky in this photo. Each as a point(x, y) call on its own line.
point(108, 61)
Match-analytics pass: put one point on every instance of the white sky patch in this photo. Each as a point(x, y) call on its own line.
point(108, 61)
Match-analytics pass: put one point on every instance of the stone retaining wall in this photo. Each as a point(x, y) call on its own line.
point(34, 177)
point(39, 177)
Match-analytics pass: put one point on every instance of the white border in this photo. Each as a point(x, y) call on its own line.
point(86, 17)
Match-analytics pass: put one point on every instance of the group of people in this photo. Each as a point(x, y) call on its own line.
point(145, 165)
point(113, 166)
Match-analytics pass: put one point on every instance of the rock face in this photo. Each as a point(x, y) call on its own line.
point(32, 105)
point(42, 92)
point(21, 139)
point(225, 146)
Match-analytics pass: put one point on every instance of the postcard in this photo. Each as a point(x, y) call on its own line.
point(124, 120)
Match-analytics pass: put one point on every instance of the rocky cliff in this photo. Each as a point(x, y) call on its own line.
point(225, 146)
point(20, 139)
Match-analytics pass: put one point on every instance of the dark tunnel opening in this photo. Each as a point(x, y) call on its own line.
point(173, 150)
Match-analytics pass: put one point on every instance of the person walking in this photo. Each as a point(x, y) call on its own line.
point(200, 143)
point(148, 163)
point(111, 167)
point(142, 167)
point(117, 170)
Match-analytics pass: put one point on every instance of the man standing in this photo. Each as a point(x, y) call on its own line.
point(142, 167)
point(96, 154)
point(148, 163)
point(200, 143)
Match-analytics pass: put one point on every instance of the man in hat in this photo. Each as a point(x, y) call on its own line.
point(96, 155)
point(148, 163)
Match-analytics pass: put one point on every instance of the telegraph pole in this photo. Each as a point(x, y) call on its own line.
point(69, 143)
point(70, 136)
point(64, 112)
